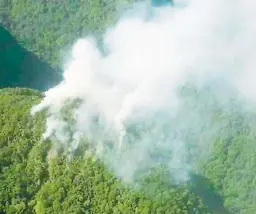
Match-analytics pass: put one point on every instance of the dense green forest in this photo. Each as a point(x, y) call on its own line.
point(60, 24)
point(30, 182)
point(33, 182)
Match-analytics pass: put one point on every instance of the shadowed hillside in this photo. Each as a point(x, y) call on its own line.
point(21, 68)
point(201, 186)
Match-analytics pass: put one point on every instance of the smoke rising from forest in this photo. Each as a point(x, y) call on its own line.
point(152, 97)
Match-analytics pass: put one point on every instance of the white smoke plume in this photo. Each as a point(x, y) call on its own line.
point(150, 98)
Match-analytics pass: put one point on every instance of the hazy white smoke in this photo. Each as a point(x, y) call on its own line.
point(151, 97)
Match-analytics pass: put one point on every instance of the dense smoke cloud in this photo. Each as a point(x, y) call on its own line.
point(151, 98)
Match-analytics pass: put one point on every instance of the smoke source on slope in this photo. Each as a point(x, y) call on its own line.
point(150, 99)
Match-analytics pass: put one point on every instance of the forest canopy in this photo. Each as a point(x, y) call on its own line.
point(36, 179)
point(32, 183)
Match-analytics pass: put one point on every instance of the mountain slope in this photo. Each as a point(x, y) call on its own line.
point(31, 181)
point(21, 68)
point(48, 27)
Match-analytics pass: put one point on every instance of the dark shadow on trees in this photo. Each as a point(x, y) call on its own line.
point(21, 68)
point(201, 186)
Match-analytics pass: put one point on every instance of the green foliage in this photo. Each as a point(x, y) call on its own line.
point(231, 169)
point(35, 180)
point(18, 135)
point(46, 27)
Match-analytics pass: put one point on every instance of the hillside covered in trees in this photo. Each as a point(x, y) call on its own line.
point(60, 24)
point(35, 180)
point(33, 183)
